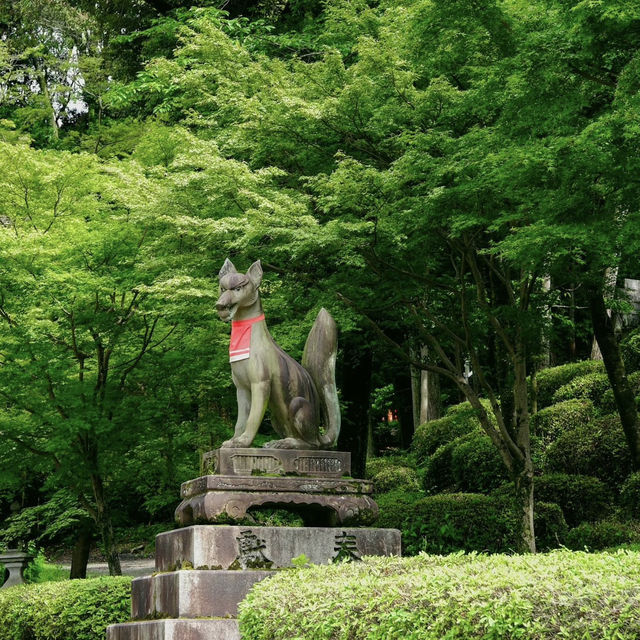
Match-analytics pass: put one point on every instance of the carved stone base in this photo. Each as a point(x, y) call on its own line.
point(182, 629)
point(224, 547)
point(248, 462)
point(320, 501)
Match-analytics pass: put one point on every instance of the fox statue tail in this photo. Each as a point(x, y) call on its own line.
point(319, 359)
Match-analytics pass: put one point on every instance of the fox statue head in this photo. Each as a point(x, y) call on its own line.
point(237, 290)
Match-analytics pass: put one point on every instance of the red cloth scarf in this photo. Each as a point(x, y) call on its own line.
point(240, 345)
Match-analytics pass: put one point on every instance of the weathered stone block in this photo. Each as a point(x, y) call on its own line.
point(175, 630)
point(15, 562)
point(247, 462)
point(224, 547)
point(192, 594)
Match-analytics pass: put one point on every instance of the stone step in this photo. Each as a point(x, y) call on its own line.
point(180, 629)
point(192, 594)
point(232, 547)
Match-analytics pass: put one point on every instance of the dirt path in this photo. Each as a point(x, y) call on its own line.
point(135, 567)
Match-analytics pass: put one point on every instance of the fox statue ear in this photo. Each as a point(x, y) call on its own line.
point(227, 267)
point(255, 273)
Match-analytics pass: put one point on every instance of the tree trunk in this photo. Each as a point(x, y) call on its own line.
point(425, 389)
point(356, 392)
point(522, 428)
point(402, 385)
point(604, 330)
point(105, 527)
point(80, 555)
point(524, 507)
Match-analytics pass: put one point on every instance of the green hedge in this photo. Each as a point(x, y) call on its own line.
point(430, 436)
point(602, 535)
point(73, 609)
point(592, 386)
point(550, 380)
point(608, 403)
point(596, 448)
point(630, 496)
point(460, 597)
point(555, 420)
point(438, 470)
point(476, 464)
point(581, 498)
point(376, 465)
point(390, 473)
point(464, 522)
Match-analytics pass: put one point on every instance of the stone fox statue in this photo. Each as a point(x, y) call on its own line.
point(301, 398)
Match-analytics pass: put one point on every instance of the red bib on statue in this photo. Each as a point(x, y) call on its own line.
point(240, 345)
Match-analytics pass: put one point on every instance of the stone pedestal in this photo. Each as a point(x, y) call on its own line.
point(205, 570)
point(15, 562)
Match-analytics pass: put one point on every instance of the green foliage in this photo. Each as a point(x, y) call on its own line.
point(469, 463)
point(430, 436)
point(605, 534)
point(39, 570)
point(392, 472)
point(581, 498)
point(447, 522)
point(476, 464)
point(381, 463)
point(438, 470)
point(630, 496)
point(550, 380)
point(592, 386)
point(542, 597)
point(396, 478)
point(596, 448)
point(630, 348)
point(50, 522)
point(550, 526)
point(81, 609)
point(551, 422)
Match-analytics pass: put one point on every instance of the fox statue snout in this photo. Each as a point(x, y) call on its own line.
point(302, 398)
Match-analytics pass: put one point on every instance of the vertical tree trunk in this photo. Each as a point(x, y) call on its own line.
point(356, 392)
point(604, 331)
point(524, 506)
point(522, 429)
point(425, 392)
point(429, 396)
point(105, 527)
point(81, 549)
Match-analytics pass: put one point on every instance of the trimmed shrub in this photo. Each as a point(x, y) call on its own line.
point(596, 448)
point(550, 380)
point(465, 522)
point(581, 498)
point(592, 387)
point(555, 420)
point(78, 609)
point(608, 402)
point(630, 348)
point(549, 525)
point(396, 508)
point(429, 437)
point(448, 522)
point(376, 465)
point(602, 535)
point(476, 464)
point(630, 496)
point(541, 597)
point(438, 471)
point(396, 478)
